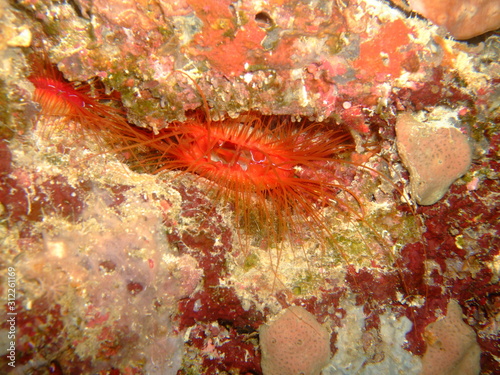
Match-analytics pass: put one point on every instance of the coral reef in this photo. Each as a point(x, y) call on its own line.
point(118, 271)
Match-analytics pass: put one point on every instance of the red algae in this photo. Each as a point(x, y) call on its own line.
point(26, 201)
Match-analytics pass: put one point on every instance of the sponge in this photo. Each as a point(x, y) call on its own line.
point(463, 19)
point(294, 343)
point(435, 153)
point(452, 348)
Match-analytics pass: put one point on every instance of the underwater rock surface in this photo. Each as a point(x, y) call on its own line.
point(118, 271)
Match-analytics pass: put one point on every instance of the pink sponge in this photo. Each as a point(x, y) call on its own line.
point(294, 343)
point(435, 153)
point(463, 19)
point(452, 348)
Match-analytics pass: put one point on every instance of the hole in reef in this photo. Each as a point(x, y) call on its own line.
point(264, 20)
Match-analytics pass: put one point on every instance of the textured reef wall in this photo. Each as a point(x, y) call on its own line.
point(117, 271)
